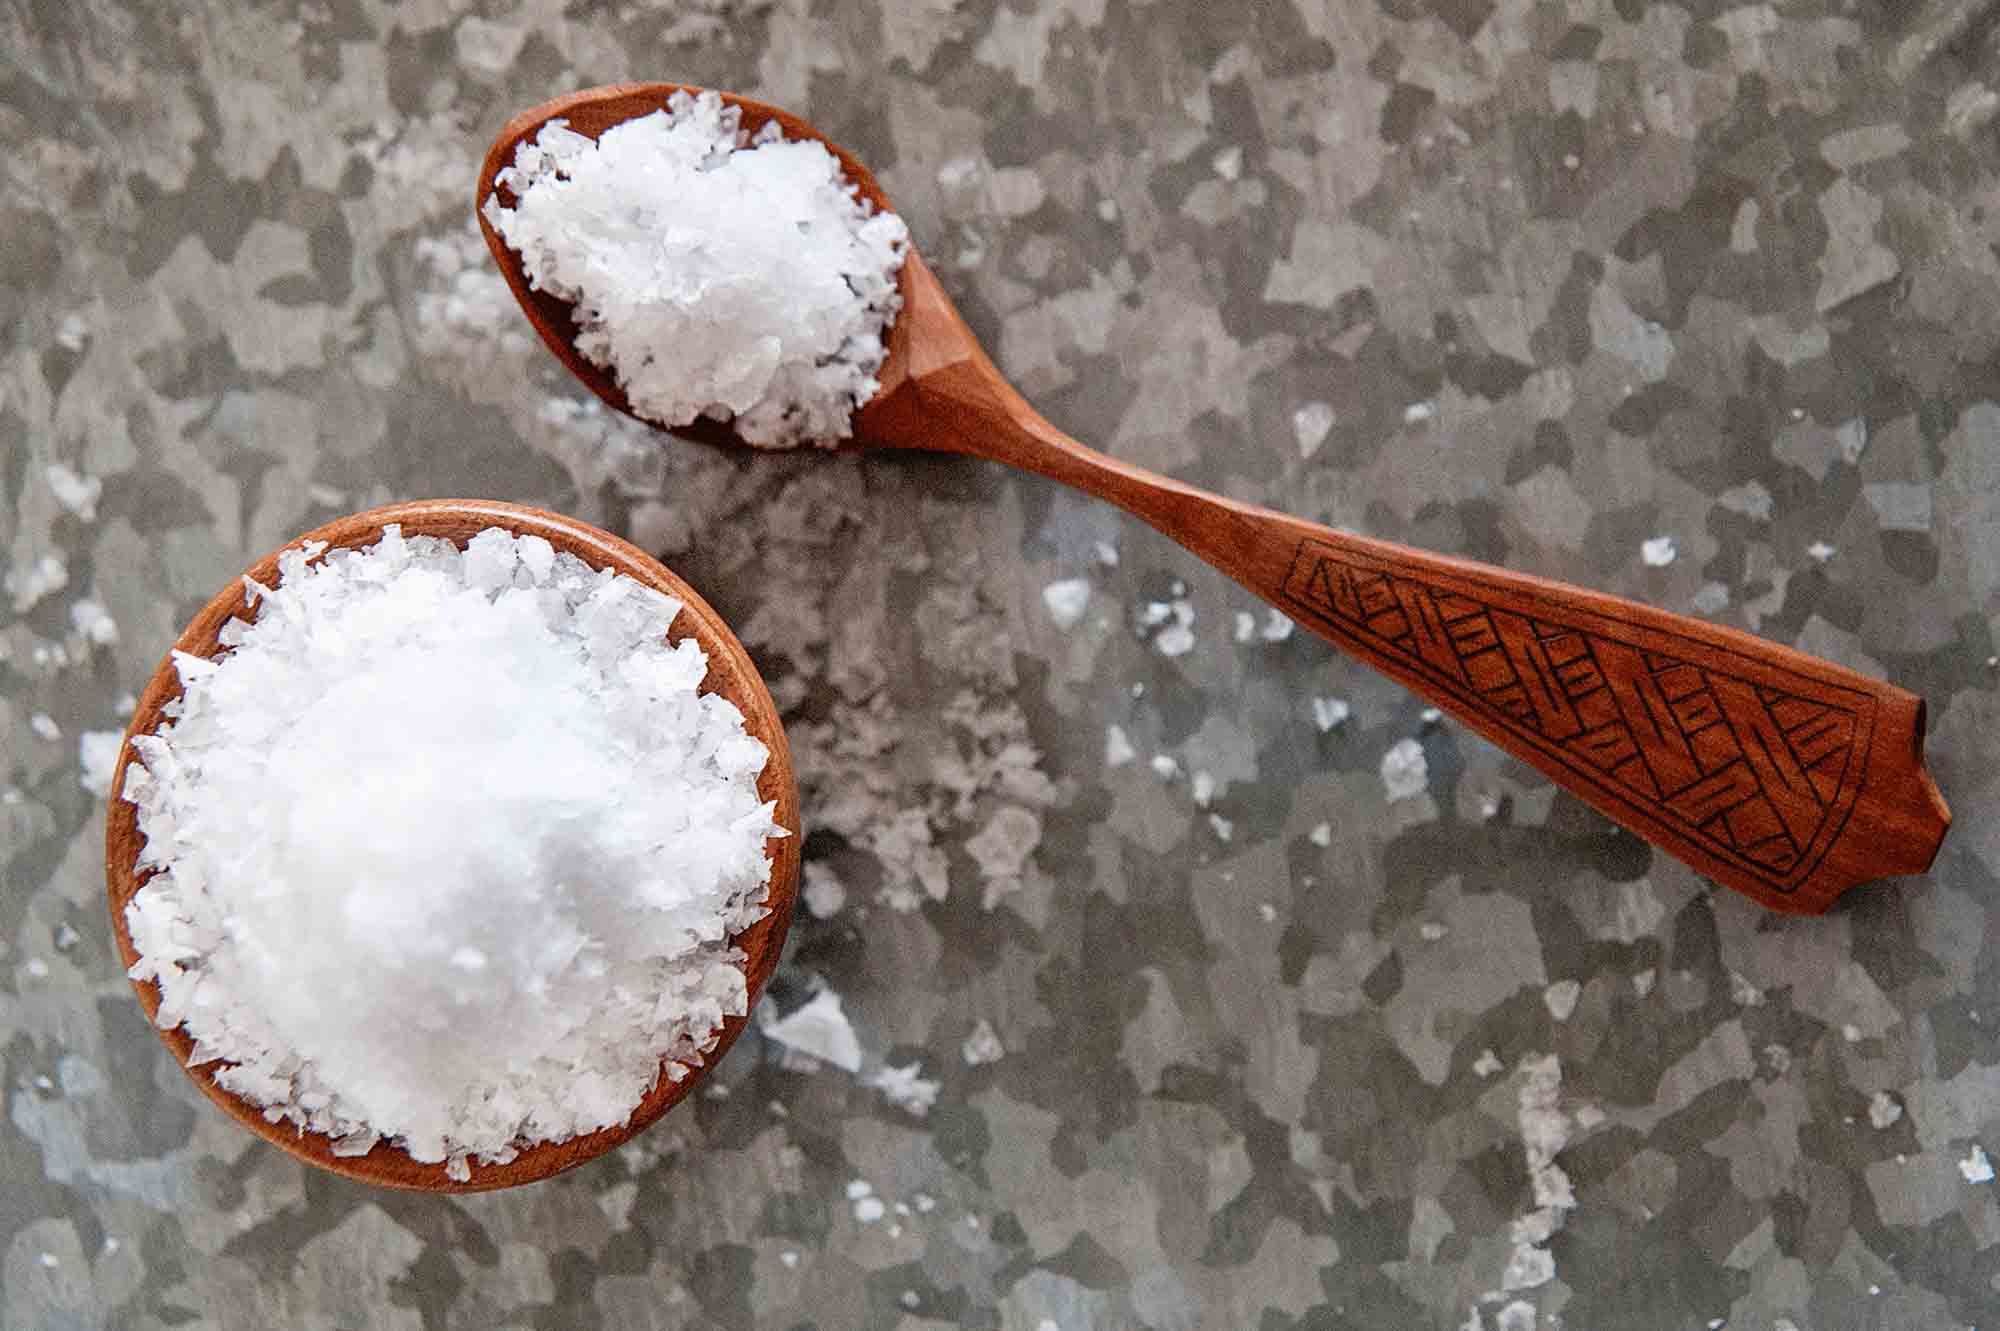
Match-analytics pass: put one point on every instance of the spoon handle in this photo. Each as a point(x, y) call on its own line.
point(1779, 774)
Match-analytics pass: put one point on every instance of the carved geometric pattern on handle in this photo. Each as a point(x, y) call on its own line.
point(1763, 770)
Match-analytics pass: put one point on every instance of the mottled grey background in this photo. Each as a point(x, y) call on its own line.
point(1562, 277)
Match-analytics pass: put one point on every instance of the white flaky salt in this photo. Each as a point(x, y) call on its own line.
point(820, 1030)
point(451, 848)
point(715, 273)
point(1066, 601)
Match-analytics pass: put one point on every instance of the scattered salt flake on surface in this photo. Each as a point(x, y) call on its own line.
point(97, 758)
point(1819, 552)
point(123, 704)
point(45, 726)
point(49, 1261)
point(1561, 997)
point(1743, 993)
point(1330, 712)
point(924, 1202)
point(1267, 912)
point(908, 1298)
point(29, 584)
point(1202, 787)
point(869, 1209)
point(819, 1029)
point(1642, 981)
point(1418, 412)
point(1430, 931)
point(1229, 162)
point(1976, 1167)
point(1278, 626)
point(93, 623)
point(1429, 717)
point(1107, 554)
point(1487, 1063)
point(1850, 1033)
point(1659, 551)
point(1321, 834)
point(37, 968)
point(789, 1258)
point(1223, 828)
point(1118, 749)
point(1107, 209)
point(1589, 1116)
point(72, 332)
point(1177, 638)
point(859, 1188)
point(1246, 626)
point(982, 1045)
point(1066, 601)
point(905, 1089)
point(76, 491)
point(66, 937)
point(766, 299)
point(1165, 766)
point(1405, 772)
point(1311, 424)
point(824, 894)
point(1155, 614)
point(1883, 1110)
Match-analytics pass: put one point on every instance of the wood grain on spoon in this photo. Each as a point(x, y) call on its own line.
point(1781, 775)
point(730, 673)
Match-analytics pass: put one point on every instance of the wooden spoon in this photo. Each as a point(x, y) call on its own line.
point(1783, 776)
point(730, 673)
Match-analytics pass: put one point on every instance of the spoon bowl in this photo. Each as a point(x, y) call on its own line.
point(1785, 777)
point(730, 674)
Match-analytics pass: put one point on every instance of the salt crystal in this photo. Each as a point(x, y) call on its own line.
point(1976, 1167)
point(908, 1298)
point(716, 273)
point(93, 623)
point(1202, 787)
point(1642, 981)
point(1659, 552)
point(45, 726)
point(1561, 997)
point(1118, 749)
point(982, 1046)
point(37, 968)
point(824, 894)
point(1883, 1110)
point(1429, 717)
point(1418, 412)
point(1267, 912)
point(66, 937)
point(49, 1261)
point(1278, 626)
point(869, 1209)
point(1066, 601)
point(1820, 552)
point(1246, 626)
point(1107, 554)
point(97, 757)
point(905, 1089)
point(30, 583)
point(1330, 712)
point(1311, 424)
point(859, 1188)
point(1222, 827)
point(531, 778)
point(821, 1030)
point(1155, 614)
point(1321, 835)
point(1107, 210)
point(1165, 766)
point(72, 332)
point(1229, 162)
point(1177, 638)
point(1487, 1063)
point(1430, 931)
point(75, 491)
point(789, 1258)
point(924, 1202)
point(1404, 769)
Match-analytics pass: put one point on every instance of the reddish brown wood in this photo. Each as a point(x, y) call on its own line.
point(1783, 776)
point(730, 673)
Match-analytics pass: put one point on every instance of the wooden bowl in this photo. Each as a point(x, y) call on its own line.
point(730, 673)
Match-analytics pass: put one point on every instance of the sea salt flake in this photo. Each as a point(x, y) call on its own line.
point(1165, 766)
point(93, 623)
point(97, 758)
point(905, 1088)
point(1418, 412)
point(1329, 713)
point(1659, 551)
point(1404, 770)
point(1177, 638)
point(1487, 1063)
point(1561, 997)
point(762, 299)
point(1202, 787)
point(1976, 1168)
point(1118, 750)
point(1321, 834)
point(821, 1030)
point(823, 894)
point(1278, 626)
point(1066, 601)
point(859, 1188)
point(1820, 552)
point(76, 491)
point(869, 1209)
point(1311, 424)
point(1883, 1110)
point(1107, 554)
point(44, 726)
point(30, 583)
point(1246, 626)
point(1223, 828)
